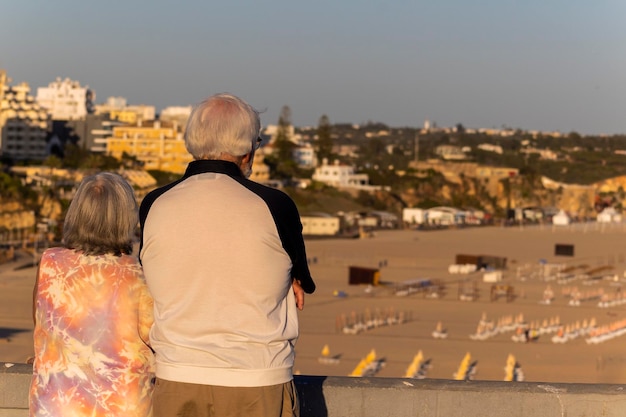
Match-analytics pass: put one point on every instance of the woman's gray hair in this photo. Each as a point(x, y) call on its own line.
point(222, 125)
point(102, 216)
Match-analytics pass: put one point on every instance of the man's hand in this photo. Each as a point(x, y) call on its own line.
point(299, 293)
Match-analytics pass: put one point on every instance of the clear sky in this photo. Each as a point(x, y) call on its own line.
point(528, 64)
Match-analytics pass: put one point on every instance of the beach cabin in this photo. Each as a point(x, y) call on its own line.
point(474, 216)
point(320, 224)
point(386, 220)
point(413, 216)
point(561, 219)
point(444, 216)
point(609, 215)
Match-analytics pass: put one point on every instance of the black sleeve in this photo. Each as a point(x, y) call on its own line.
point(287, 220)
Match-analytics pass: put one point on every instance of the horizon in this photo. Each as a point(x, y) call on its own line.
point(534, 66)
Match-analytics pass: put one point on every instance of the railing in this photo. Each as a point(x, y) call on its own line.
point(395, 397)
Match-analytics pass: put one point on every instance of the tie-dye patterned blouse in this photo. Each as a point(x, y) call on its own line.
point(92, 316)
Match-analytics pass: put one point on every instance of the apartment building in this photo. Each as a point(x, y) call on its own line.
point(66, 99)
point(159, 146)
point(24, 124)
point(118, 109)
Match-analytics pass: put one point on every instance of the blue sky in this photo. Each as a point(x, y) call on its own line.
point(529, 64)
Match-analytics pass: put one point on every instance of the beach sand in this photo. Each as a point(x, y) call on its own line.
point(409, 254)
point(17, 279)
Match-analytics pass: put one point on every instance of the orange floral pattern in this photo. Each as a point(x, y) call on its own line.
point(92, 318)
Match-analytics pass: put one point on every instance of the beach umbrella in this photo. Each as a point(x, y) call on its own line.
point(325, 351)
point(509, 369)
point(464, 367)
point(358, 371)
point(414, 367)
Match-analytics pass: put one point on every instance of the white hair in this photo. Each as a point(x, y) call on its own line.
point(223, 124)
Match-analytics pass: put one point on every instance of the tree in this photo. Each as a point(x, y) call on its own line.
point(283, 144)
point(281, 162)
point(130, 161)
point(74, 156)
point(11, 188)
point(575, 137)
point(53, 162)
point(284, 124)
point(324, 144)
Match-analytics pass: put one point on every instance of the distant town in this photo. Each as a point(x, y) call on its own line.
point(347, 180)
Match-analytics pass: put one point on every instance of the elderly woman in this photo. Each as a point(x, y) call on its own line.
point(92, 311)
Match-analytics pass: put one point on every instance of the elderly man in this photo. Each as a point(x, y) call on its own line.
point(225, 261)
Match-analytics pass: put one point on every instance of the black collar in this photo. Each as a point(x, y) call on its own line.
point(205, 165)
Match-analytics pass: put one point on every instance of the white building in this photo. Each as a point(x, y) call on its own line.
point(488, 147)
point(450, 152)
point(546, 154)
point(609, 215)
point(413, 215)
point(176, 111)
point(342, 176)
point(305, 156)
point(444, 216)
point(320, 224)
point(178, 114)
point(116, 102)
point(65, 99)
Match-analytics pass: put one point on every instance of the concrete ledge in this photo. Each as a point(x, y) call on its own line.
point(14, 386)
point(395, 397)
point(378, 397)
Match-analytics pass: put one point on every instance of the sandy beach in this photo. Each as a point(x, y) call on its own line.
point(407, 255)
point(414, 254)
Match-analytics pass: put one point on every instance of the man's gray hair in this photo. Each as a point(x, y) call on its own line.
point(222, 124)
point(102, 216)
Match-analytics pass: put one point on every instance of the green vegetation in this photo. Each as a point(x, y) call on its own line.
point(324, 199)
point(11, 188)
point(324, 142)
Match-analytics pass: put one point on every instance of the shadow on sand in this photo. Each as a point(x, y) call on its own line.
point(7, 333)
